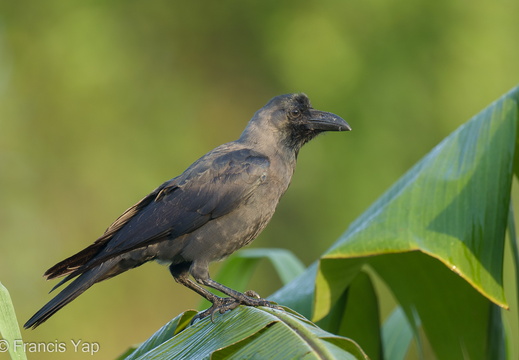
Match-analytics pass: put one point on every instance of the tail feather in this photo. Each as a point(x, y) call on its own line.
point(74, 262)
point(72, 291)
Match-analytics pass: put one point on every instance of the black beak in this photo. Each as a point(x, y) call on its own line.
point(325, 121)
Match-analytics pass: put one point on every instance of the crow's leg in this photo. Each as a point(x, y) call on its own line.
point(180, 273)
point(250, 298)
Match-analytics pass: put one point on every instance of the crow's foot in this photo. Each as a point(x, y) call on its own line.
point(252, 298)
point(221, 305)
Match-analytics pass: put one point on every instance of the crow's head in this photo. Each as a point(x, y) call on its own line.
point(291, 120)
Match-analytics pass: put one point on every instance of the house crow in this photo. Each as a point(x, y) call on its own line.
point(218, 205)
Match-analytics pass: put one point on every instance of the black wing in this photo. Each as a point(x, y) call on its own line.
point(212, 187)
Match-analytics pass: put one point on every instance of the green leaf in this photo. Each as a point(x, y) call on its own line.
point(496, 349)
point(172, 328)
point(9, 329)
point(396, 335)
point(286, 264)
point(356, 316)
point(260, 332)
point(510, 339)
point(454, 316)
point(452, 205)
point(299, 294)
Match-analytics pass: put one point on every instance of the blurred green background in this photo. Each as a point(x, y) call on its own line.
point(102, 101)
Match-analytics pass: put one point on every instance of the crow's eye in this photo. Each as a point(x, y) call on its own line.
point(295, 113)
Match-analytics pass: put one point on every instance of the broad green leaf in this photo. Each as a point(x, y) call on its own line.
point(496, 349)
point(333, 278)
point(299, 294)
point(514, 244)
point(396, 335)
point(356, 316)
point(165, 333)
point(453, 315)
point(261, 332)
point(286, 264)
point(511, 335)
point(243, 262)
point(9, 330)
point(452, 205)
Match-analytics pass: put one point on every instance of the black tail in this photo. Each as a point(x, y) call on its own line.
point(74, 262)
point(72, 291)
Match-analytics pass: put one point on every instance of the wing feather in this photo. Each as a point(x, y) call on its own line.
point(212, 187)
